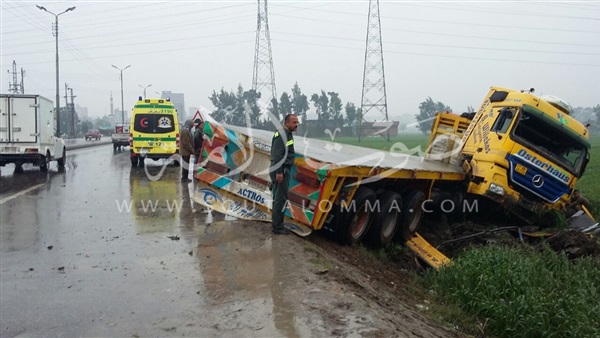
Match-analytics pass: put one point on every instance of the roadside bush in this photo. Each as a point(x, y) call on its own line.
point(522, 293)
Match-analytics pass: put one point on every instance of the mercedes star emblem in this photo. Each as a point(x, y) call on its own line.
point(538, 181)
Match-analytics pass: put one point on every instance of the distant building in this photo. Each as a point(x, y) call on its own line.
point(384, 128)
point(178, 101)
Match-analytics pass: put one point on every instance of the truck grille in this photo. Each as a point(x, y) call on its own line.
point(536, 180)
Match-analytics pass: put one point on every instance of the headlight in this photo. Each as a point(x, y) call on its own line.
point(496, 189)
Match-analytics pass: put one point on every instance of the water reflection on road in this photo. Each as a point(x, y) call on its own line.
point(102, 250)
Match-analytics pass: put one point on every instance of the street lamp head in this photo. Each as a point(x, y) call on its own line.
point(115, 67)
point(70, 9)
point(41, 7)
point(127, 67)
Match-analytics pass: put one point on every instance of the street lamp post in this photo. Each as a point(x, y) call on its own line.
point(122, 106)
point(57, 81)
point(145, 88)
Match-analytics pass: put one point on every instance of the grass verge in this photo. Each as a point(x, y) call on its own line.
point(522, 293)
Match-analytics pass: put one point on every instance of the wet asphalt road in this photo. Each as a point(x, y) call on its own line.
point(85, 251)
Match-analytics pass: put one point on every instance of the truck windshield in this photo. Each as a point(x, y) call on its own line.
point(154, 123)
point(547, 139)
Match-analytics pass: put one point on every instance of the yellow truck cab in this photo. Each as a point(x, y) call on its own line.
point(524, 151)
point(154, 131)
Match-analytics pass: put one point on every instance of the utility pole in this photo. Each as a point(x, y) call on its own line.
point(67, 106)
point(57, 82)
point(14, 86)
point(263, 74)
point(22, 82)
point(373, 91)
point(73, 113)
point(122, 106)
point(144, 87)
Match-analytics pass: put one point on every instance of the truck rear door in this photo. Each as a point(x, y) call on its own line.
point(4, 116)
point(19, 120)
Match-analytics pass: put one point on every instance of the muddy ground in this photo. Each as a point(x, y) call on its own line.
point(345, 291)
point(356, 291)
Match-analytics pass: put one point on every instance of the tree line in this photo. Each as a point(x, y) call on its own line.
point(243, 107)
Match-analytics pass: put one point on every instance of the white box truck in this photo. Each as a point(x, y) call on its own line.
point(28, 132)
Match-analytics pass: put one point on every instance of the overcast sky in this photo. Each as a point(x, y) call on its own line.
point(450, 51)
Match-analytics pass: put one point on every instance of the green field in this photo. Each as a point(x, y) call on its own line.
point(380, 143)
point(589, 185)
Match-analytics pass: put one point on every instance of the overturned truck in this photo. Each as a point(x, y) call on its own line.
point(521, 151)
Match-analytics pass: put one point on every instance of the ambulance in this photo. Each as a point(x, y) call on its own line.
point(154, 131)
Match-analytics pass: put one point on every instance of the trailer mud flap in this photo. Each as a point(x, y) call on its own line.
point(426, 252)
point(230, 204)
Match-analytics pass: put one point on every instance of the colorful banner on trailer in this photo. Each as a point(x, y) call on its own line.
point(228, 204)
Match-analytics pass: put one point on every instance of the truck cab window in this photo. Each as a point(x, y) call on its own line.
point(504, 120)
point(546, 139)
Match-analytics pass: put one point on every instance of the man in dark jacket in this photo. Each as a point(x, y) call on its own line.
point(282, 159)
point(186, 149)
point(198, 138)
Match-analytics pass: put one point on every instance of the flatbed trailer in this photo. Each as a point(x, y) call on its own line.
point(522, 152)
point(349, 190)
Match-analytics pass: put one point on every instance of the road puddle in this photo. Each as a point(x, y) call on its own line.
point(246, 280)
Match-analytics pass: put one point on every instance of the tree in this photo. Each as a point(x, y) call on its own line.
point(232, 108)
point(85, 126)
point(274, 110)
point(285, 105)
point(597, 111)
point(335, 107)
point(225, 103)
point(322, 104)
point(250, 106)
point(427, 110)
point(299, 103)
point(350, 114)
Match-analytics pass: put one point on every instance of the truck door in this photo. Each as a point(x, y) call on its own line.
point(4, 116)
point(22, 120)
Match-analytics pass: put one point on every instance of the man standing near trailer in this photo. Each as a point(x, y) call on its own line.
point(282, 159)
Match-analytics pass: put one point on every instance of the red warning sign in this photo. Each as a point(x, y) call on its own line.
point(197, 118)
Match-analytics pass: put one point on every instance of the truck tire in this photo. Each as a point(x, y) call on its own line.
point(357, 217)
point(386, 221)
point(45, 162)
point(115, 147)
point(63, 160)
point(412, 214)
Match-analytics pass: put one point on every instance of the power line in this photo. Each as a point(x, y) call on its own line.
point(451, 35)
point(444, 55)
point(447, 46)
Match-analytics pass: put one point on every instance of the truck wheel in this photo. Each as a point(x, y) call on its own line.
point(18, 168)
point(45, 162)
point(134, 161)
point(412, 213)
point(141, 161)
point(115, 147)
point(358, 216)
point(63, 160)
point(386, 220)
